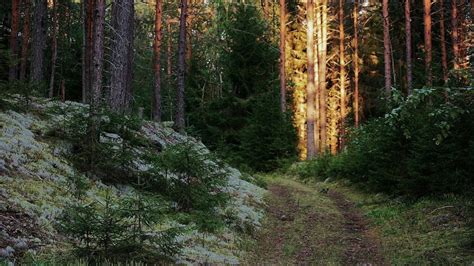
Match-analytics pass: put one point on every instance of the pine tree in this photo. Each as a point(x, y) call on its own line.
point(38, 44)
point(408, 47)
point(179, 122)
point(428, 43)
point(386, 53)
point(25, 39)
point(157, 62)
point(310, 87)
point(122, 55)
point(14, 39)
point(282, 55)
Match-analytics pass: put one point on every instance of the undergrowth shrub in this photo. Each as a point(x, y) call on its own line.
point(191, 178)
point(118, 229)
point(424, 145)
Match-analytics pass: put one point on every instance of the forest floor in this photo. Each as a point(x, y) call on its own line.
point(308, 225)
point(326, 223)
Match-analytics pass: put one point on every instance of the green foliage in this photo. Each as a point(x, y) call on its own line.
point(244, 123)
point(114, 229)
point(423, 146)
point(193, 180)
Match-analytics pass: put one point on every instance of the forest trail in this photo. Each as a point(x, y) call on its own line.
point(313, 225)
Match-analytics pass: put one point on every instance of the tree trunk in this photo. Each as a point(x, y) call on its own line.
point(97, 53)
point(427, 37)
point(38, 44)
point(386, 45)
point(282, 55)
point(408, 47)
point(179, 117)
point(455, 33)
point(342, 72)
point(310, 87)
point(54, 48)
point(168, 52)
point(12, 75)
point(322, 54)
point(122, 55)
point(87, 67)
point(157, 63)
point(25, 40)
point(356, 64)
point(189, 31)
point(444, 55)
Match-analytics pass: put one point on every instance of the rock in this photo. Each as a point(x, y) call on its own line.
point(20, 244)
point(7, 252)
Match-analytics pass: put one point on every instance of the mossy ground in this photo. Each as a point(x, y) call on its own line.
point(330, 223)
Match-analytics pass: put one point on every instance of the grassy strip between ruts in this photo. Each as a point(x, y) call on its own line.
point(303, 225)
point(424, 231)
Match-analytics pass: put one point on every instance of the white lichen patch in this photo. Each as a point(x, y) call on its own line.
point(35, 178)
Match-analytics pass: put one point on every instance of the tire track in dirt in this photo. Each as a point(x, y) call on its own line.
point(362, 243)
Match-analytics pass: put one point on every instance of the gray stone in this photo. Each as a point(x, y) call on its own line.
point(7, 252)
point(20, 244)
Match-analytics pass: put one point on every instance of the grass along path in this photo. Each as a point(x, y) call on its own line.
point(311, 225)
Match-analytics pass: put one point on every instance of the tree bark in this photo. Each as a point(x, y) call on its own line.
point(408, 47)
point(122, 55)
point(342, 72)
point(38, 44)
point(310, 87)
point(455, 34)
point(87, 67)
point(356, 64)
point(282, 55)
point(97, 53)
point(25, 40)
point(386, 45)
point(427, 37)
point(12, 75)
point(322, 54)
point(54, 48)
point(444, 55)
point(157, 60)
point(179, 122)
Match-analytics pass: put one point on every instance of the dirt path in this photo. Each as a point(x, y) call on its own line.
point(361, 243)
point(307, 225)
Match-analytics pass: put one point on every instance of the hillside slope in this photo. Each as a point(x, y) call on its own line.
point(38, 181)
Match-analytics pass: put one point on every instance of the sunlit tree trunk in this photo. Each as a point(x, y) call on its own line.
point(38, 44)
point(282, 55)
point(408, 47)
point(179, 122)
point(14, 39)
point(322, 54)
point(427, 37)
point(122, 55)
point(444, 56)
point(25, 40)
point(157, 60)
point(54, 48)
point(342, 73)
point(356, 64)
point(310, 87)
point(455, 33)
point(386, 45)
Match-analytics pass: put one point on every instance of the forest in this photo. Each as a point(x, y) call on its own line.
point(145, 132)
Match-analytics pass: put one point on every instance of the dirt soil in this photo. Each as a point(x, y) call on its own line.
point(307, 226)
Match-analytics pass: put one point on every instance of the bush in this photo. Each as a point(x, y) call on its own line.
point(191, 178)
point(117, 229)
point(423, 146)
